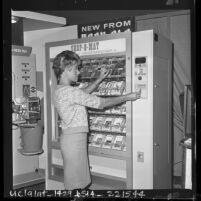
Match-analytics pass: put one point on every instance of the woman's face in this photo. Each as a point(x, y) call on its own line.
point(73, 72)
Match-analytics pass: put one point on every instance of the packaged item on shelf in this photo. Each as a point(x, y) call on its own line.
point(121, 61)
point(116, 88)
point(102, 88)
point(114, 73)
point(117, 71)
point(118, 142)
point(83, 72)
point(114, 60)
point(112, 88)
point(124, 91)
point(109, 139)
point(123, 147)
point(123, 109)
point(86, 62)
point(96, 71)
point(112, 110)
point(116, 110)
point(108, 88)
point(91, 119)
point(98, 140)
point(91, 137)
point(121, 58)
point(122, 86)
point(104, 61)
point(95, 62)
point(108, 111)
point(124, 127)
point(97, 123)
point(87, 72)
point(117, 124)
point(107, 124)
point(122, 72)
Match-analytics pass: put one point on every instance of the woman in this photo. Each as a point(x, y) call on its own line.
point(71, 103)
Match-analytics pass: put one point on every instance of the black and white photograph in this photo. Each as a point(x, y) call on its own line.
point(102, 101)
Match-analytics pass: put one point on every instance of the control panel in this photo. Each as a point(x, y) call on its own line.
point(23, 76)
point(141, 76)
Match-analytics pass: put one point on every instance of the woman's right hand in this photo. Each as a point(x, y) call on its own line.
point(134, 95)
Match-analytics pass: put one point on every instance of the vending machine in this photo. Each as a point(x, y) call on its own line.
point(26, 134)
point(130, 145)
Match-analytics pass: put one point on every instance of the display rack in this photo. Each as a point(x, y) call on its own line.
point(106, 147)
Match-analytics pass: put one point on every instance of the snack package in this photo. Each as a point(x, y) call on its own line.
point(108, 88)
point(90, 139)
point(95, 62)
point(108, 141)
point(114, 88)
point(86, 62)
point(123, 147)
point(124, 91)
point(123, 109)
point(121, 86)
point(107, 124)
point(98, 140)
point(118, 141)
point(102, 88)
point(117, 124)
point(91, 119)
point(115, 110)
point(88, 71)
point(124, 127)
point(111, 88)
point(97, 123)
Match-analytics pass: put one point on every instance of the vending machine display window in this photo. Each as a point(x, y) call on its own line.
point(126, 144)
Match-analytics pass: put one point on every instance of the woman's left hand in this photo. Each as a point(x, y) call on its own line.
point(103, 73)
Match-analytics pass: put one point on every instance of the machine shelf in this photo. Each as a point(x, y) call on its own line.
point(109, 95)
point(110, 77)
point(110, 153)
point(108, 176)
point(107, 114)
point(108, 132)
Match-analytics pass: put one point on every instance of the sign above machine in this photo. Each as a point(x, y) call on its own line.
point(106, 27)
point(92, 48)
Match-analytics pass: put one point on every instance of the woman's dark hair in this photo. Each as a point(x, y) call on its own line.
point(62, 61)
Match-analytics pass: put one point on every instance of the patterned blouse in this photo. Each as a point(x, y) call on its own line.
point(71, 103)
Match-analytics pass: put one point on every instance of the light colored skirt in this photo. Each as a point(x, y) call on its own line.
point(75, 159)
